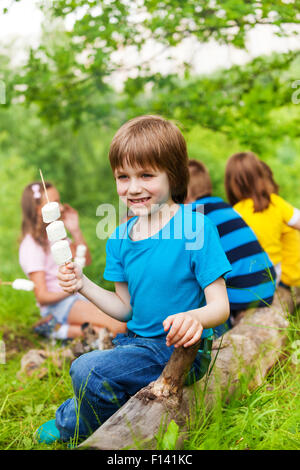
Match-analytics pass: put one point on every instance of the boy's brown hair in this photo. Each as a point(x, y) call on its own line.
point(200, 183)
point(245, 177)
point(152, 141)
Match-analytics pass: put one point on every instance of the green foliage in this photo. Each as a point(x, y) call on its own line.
point(236, 101)
point(169, 21)
point(213, 149)
point(68, 75)
point(170, 437)
point(14, 174)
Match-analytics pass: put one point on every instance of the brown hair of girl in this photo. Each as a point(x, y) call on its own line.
point(152, 141)
point(269, 174)
point(200, 183)
point(32, 223)
point(245, 177)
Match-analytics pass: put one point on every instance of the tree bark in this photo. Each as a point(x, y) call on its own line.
point(248, 350)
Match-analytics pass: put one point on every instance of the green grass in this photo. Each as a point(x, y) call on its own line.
point(266, 418)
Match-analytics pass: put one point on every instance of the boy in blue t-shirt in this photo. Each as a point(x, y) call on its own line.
point(251, 282)
point(167, 264)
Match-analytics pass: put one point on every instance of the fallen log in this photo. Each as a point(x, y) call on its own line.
point(139, 419)
point(249, 349)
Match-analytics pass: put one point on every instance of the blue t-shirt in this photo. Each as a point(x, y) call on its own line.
point(251, 281)
point(168, 272)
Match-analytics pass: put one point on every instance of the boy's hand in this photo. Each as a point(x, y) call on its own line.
point(185, 330)
point(70, 277)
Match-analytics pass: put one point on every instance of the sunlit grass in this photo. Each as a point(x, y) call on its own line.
point(266, 418)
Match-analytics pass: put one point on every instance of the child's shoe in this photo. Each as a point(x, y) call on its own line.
point(48, 432)
point(45, 326)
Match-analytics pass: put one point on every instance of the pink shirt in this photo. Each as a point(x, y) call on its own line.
point(32, 258)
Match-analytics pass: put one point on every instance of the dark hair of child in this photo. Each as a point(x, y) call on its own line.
point(269, 174)
point(200, 183)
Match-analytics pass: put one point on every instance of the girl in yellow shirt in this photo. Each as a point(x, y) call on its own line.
point(253, 194)
point(290, 245)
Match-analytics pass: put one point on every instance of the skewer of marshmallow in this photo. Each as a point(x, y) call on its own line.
point(19, 284)
point(57, 234)
point(56, 231)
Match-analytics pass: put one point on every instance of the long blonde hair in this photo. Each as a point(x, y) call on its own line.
point(31, 222)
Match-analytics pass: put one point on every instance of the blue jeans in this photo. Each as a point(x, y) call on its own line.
point(104, 380)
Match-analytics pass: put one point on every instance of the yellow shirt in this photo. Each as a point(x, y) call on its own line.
point(290, 266)
point(269, 224)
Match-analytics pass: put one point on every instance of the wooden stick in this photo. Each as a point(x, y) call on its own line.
point(44, 185)
point(5, 283)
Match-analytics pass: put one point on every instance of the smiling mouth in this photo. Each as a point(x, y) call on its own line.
point(139, 201)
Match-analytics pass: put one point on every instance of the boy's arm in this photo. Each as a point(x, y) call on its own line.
point(115, 304)
point(217, 309)
point(186, 327)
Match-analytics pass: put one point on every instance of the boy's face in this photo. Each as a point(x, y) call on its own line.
point(143, 190)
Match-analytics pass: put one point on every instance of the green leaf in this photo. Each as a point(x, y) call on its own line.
point(170, 437)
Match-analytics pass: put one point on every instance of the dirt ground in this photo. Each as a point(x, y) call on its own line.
point(16, 343)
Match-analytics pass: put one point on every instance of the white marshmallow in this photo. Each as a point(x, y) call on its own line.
point(61, 252)
point(56, 231)
point(50, 212)
point(80, 260)
point(80, 251)
point(23, 284)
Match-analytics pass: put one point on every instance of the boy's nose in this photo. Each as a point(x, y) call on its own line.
point(134, 186)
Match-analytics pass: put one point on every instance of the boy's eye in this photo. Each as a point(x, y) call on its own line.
point(144, 175)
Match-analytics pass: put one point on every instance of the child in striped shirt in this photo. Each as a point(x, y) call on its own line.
point(251, 283)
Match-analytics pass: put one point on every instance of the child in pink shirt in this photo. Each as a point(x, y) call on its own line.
point(33, 258)
point(64, 313)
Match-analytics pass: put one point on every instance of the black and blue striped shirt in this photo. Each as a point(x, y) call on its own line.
point(251, 283)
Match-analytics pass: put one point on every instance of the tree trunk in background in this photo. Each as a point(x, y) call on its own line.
point(248, 350)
